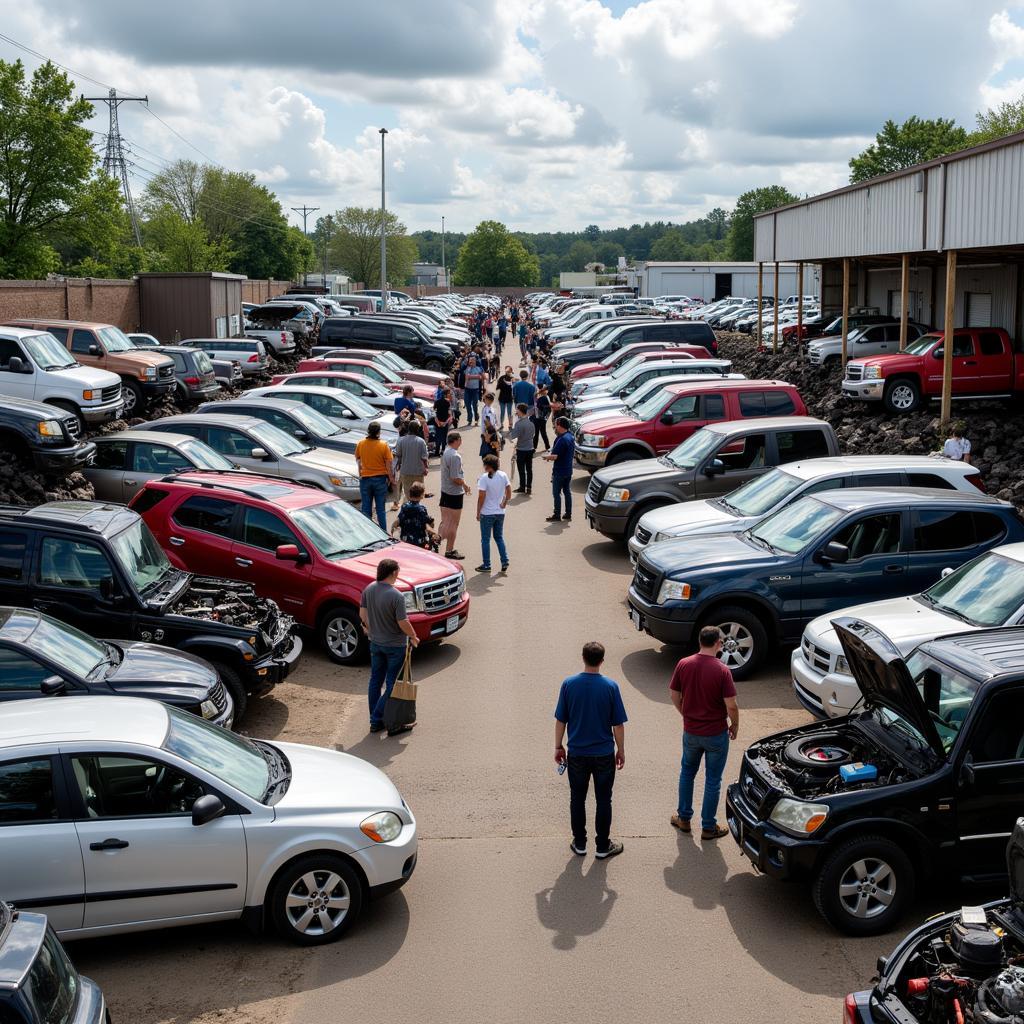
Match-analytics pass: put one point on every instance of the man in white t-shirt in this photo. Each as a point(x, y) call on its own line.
point(957, 446)
point(494, 493)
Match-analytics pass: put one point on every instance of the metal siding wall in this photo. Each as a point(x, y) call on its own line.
point(984, 200)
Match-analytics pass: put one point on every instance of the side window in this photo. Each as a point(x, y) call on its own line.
point(71, 564)
point(9, 347)
point(987, 527)
point(12, 555)
point(211, 515)
point(157, 458)
point(832, 483)
point(894, 479)
point(404, 336)
point(277, 419)
point(111, 455)
point(26, 791)
point(873, 535)
point(946, 530)
point(745, 453)
point(999, 734)
point(714, 407)
point(371, 332)
point(60, 333)
point(751, 403)
point(352, 387)
point(963, 346)
point(661, 334)
point(778, 403)
point(133, 787)
point(20, 672)
point(323, 404)
point(628, 337)
point(795, 445)
point(930, 480)
point(147, 498)
point(263, 529)
point(684, 408)
point(179, 361)
point(232, 444)
point(192, 429)
point(990, 343)
point(81, 340)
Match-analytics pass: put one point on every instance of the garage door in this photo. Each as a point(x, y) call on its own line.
point(979, 309)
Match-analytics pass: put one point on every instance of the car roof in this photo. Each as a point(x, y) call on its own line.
point(280, 404)
point(983, 653)
point(206, 419)
point(347, 359)
point(72, 719)
point(764, 423)
point(299, 374)
point(314, 389)
point(181, 349)
point(20, 332)
point(739, 385)
point(810, 469)
point(96, 516)
point(147, 436)
point(852, 499)
point(283, 494)
point(59, 323)
point(18, 955)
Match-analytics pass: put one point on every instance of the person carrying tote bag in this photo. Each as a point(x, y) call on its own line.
point(400, 710)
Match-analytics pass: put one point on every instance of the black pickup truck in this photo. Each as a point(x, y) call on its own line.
point(47, 436)
point(98, 567)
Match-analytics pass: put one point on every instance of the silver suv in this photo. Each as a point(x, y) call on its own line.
point(344, 409)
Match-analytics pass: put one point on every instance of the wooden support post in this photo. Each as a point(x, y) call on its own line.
point(760, 315)
point(904, 299)
point(775, 335)
point(800, 306)
point(846, 307)
point(947, 337)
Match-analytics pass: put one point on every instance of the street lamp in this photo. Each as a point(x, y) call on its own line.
point(444, 271)
point(383, 232)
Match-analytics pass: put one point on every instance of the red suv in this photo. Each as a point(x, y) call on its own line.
point(310, 551)
point(673, 413)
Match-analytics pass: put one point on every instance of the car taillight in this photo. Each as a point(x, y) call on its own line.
point(975, 478)
point(254, 358)
point(192, 381)
point(284, 337)
point(850, 1015)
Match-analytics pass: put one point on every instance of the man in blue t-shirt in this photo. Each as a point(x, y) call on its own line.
point(525, 393)
point(590, 707)
point(563, 452)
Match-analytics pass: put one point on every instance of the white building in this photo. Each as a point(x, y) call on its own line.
point(711, 281)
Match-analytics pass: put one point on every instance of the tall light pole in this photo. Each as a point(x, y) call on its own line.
point(383, 232)
point(444, 271)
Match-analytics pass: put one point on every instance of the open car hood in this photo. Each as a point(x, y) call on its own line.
point(1015, 863)
point(882, 676)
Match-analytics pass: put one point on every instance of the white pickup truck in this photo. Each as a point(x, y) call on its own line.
point(34, 365)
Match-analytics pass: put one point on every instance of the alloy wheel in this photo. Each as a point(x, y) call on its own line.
point(737, 645)
point(342, 637)
point(902, 396)
point(867, 887)
point(317, 902)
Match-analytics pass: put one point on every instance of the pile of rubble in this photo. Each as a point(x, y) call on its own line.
point(995, 429)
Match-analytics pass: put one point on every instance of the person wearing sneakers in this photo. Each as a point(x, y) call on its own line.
point(562, 455)
point(703, 692)
point(493, 495)
point(453, 492)
point(590, 708)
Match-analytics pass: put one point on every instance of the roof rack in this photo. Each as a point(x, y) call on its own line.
point(177, 478)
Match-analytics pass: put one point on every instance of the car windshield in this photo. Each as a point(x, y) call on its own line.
point(203, 364)
point(202, 456)
point(357, 405)
point(226, 755)
point(47, 352)
point(315, 423)
point(140, 556)
point(336, 529)
point(650, 408)
point(792, 528)
point(392, 363)
point(276, 441)
point(922, 345)
point(984, 592)
point(625, 368)
point(762, 493)
point(115, 340)
point(694, 450)
point(51, 985)
point(68, 647)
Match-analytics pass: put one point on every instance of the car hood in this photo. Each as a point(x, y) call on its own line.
point(891, 363)
point(601, 422)
point(602, 404)
point(702, 552)
point(637, 472)
point(693, 517)
point(161, 672)
point(416, 565)
point(424, 392)
point(328, 780)
point(145, 357)
point(596, 382)
point(91, 377)
point(330, 461)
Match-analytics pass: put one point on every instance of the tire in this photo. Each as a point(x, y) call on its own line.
point(316, 899)
point(434, 366)
point(232, 683)
point(342, 636)
point(832, 362)
point(133, 400)
point(746, 639)
point(872, 861)
point(626, 455)
point(901, 396)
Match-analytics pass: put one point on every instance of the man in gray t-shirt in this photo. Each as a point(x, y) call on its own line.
point(453, 491)
point(384, 618)
point(410, 461)
point(524, 433)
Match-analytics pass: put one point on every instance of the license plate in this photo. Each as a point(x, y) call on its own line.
point(451, 624)
point(638, 622)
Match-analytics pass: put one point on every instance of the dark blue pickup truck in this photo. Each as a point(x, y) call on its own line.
point(824, 552)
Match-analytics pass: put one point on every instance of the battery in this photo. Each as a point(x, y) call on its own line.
point(858, 772)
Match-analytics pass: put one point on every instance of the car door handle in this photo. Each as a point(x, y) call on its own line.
point(110, 844)
point(970, 362)
point(892, 570)
point(177, 541)
point(244, 562)
point(130, 483)
point(43, 606)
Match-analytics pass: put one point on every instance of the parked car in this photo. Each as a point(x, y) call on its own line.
point(589, 375)
point(260, 447)
point(277, 325)
point(678, 332)
point(671, 415)
point(760, 497)
point(988, 591)
point(984, 366)
point(868, 340)
point(603, 404)
point(350, 380)
point(34, 365)
point(44, 435)
point(711, 462)
point(389, 367)
point(126, 460)
point(314, 553)
point(408, 340)
point(252, 353)
point(141, 340)
point(145, 375)
point(919, 787)
point(629, 381)
point(193, 371)
point(828, 324)
point(763, 585)
point(227, 372)
point(279, 834)
point(98, 568)
point(38, 983)
point(344, 409)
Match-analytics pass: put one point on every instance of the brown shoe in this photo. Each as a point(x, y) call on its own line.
point(680, 823)
point(714, 833)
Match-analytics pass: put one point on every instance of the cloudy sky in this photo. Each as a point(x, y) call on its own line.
point(547, 114)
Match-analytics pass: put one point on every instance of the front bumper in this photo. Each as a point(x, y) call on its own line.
point(388, 866)
point(670, 623)
point(437, 625)
point(158, 388)
point(864, 390)
point(103, 412)
point(64, 460)
point(608, 518)
point(265, 674)
point(824, 694)
point(591, 457)
point(635, 547)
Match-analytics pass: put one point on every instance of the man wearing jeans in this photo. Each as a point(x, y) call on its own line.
point(590, 707)
point(382, 613)
point(562, 455)
point(703, 692)
point(376, 474)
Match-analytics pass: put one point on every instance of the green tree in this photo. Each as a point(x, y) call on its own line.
point(1005, 119)
point(580, 254)
point(741, 226)
point(607, 253)
point(492, 257)
point(549, 265)
point(718, 222)
point(183, 246)
point(671, 246)
point(591, 232)
point(355, 246)
point(902, 145)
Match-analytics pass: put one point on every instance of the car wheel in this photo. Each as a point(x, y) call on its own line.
point(342, 636)
point(744, 640)
point(832, 362)
point(628, 455)
point(863, 886)
point(316, 900)
point(132, 394)
point(232, 683)
point(434, 366)
point(902, 396)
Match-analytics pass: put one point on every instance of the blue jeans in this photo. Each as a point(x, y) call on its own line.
point(385, 664)
point(495, 525)
point(505, 410)
point(374, 490)
point(714, 750)
point(560, 487)
point(472, 399)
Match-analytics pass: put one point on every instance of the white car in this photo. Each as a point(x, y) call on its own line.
point(987, 591)
point(120, 814)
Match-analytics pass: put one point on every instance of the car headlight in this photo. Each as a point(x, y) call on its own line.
point(148, 373)
point(872, 373)
point(50, 428)
point(344, 481)
point(617, 494)
point(797, 817)
point(382, 827)
point(664, 535)
point(843, 666)
point(208, 709)
point(673, 590)
point(411, 602)
point(87, 395)
point(594, 440)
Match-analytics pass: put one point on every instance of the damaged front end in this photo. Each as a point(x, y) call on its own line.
point(234, 604)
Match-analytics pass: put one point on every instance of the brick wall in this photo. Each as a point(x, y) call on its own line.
point(260, 291)
point(108, 302)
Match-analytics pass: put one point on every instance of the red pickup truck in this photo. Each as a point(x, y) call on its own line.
point(984, 366)
point(672, 414)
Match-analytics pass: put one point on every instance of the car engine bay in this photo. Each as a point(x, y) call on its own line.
point(230, 602)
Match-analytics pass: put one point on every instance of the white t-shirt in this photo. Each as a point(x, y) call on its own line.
point(489, 416)
point(493, 488)
point(956, 448)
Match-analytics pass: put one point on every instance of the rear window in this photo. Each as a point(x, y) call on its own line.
point(147, 498)
point(952, 530)
point(930, 480)
point(795, 445)
point(211, 515)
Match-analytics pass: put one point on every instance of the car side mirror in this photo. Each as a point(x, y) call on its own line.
point(259, 453)
point(349, 414)
point(52, 686)
point(833, 551)
point(714, 467)
point(108, 591)
point(302, 435)
point(94, 350)
point(667, 419)
point(967, 773)
point(289, 553)
point(938, 353)
point(946, 572)
point(206, 808)
point(16, 365)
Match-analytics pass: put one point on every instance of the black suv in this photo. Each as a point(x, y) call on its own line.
point(49, 436)
point(925, 781)
point(408, 340)
point(38, 983)
point(97, 567)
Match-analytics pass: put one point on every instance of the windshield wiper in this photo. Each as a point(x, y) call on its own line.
point(722, 503)
point(939, 606)
point(759, 541)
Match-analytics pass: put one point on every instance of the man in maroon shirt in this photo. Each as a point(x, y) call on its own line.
point(704, 693)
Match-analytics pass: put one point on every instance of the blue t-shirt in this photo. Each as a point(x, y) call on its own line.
point(563, 450)
point(524, 393)
point(590, 704)
point(401, 402)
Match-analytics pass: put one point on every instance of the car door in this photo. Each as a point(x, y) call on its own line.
point(995, 364)
point(144, 859)
point(20, 383)
point(681, 416)
point(106, 474)
point(870, 341)
point(797, 445)
point(255, 560)
point(22, 675)
point(148, 460)
point(946, 538)
point(40, 860)
point(966, 371)
point(737, 460)
point(14, 569)
point(202, 529)
point(82, 341)
point(237, 446)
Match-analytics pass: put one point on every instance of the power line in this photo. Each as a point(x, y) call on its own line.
point(42, 56)
point(305, 211)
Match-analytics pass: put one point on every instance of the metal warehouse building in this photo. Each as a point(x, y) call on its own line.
point(711, 281)
point(941, 240)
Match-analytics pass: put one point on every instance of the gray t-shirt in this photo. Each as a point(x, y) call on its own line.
point(411, 455)
point(385, 608)
point(524, 433)
point(451, 469)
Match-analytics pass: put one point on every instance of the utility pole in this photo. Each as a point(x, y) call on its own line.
point(114, 162)
point(383, 233)
point(444, 270)
point(305, 211)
